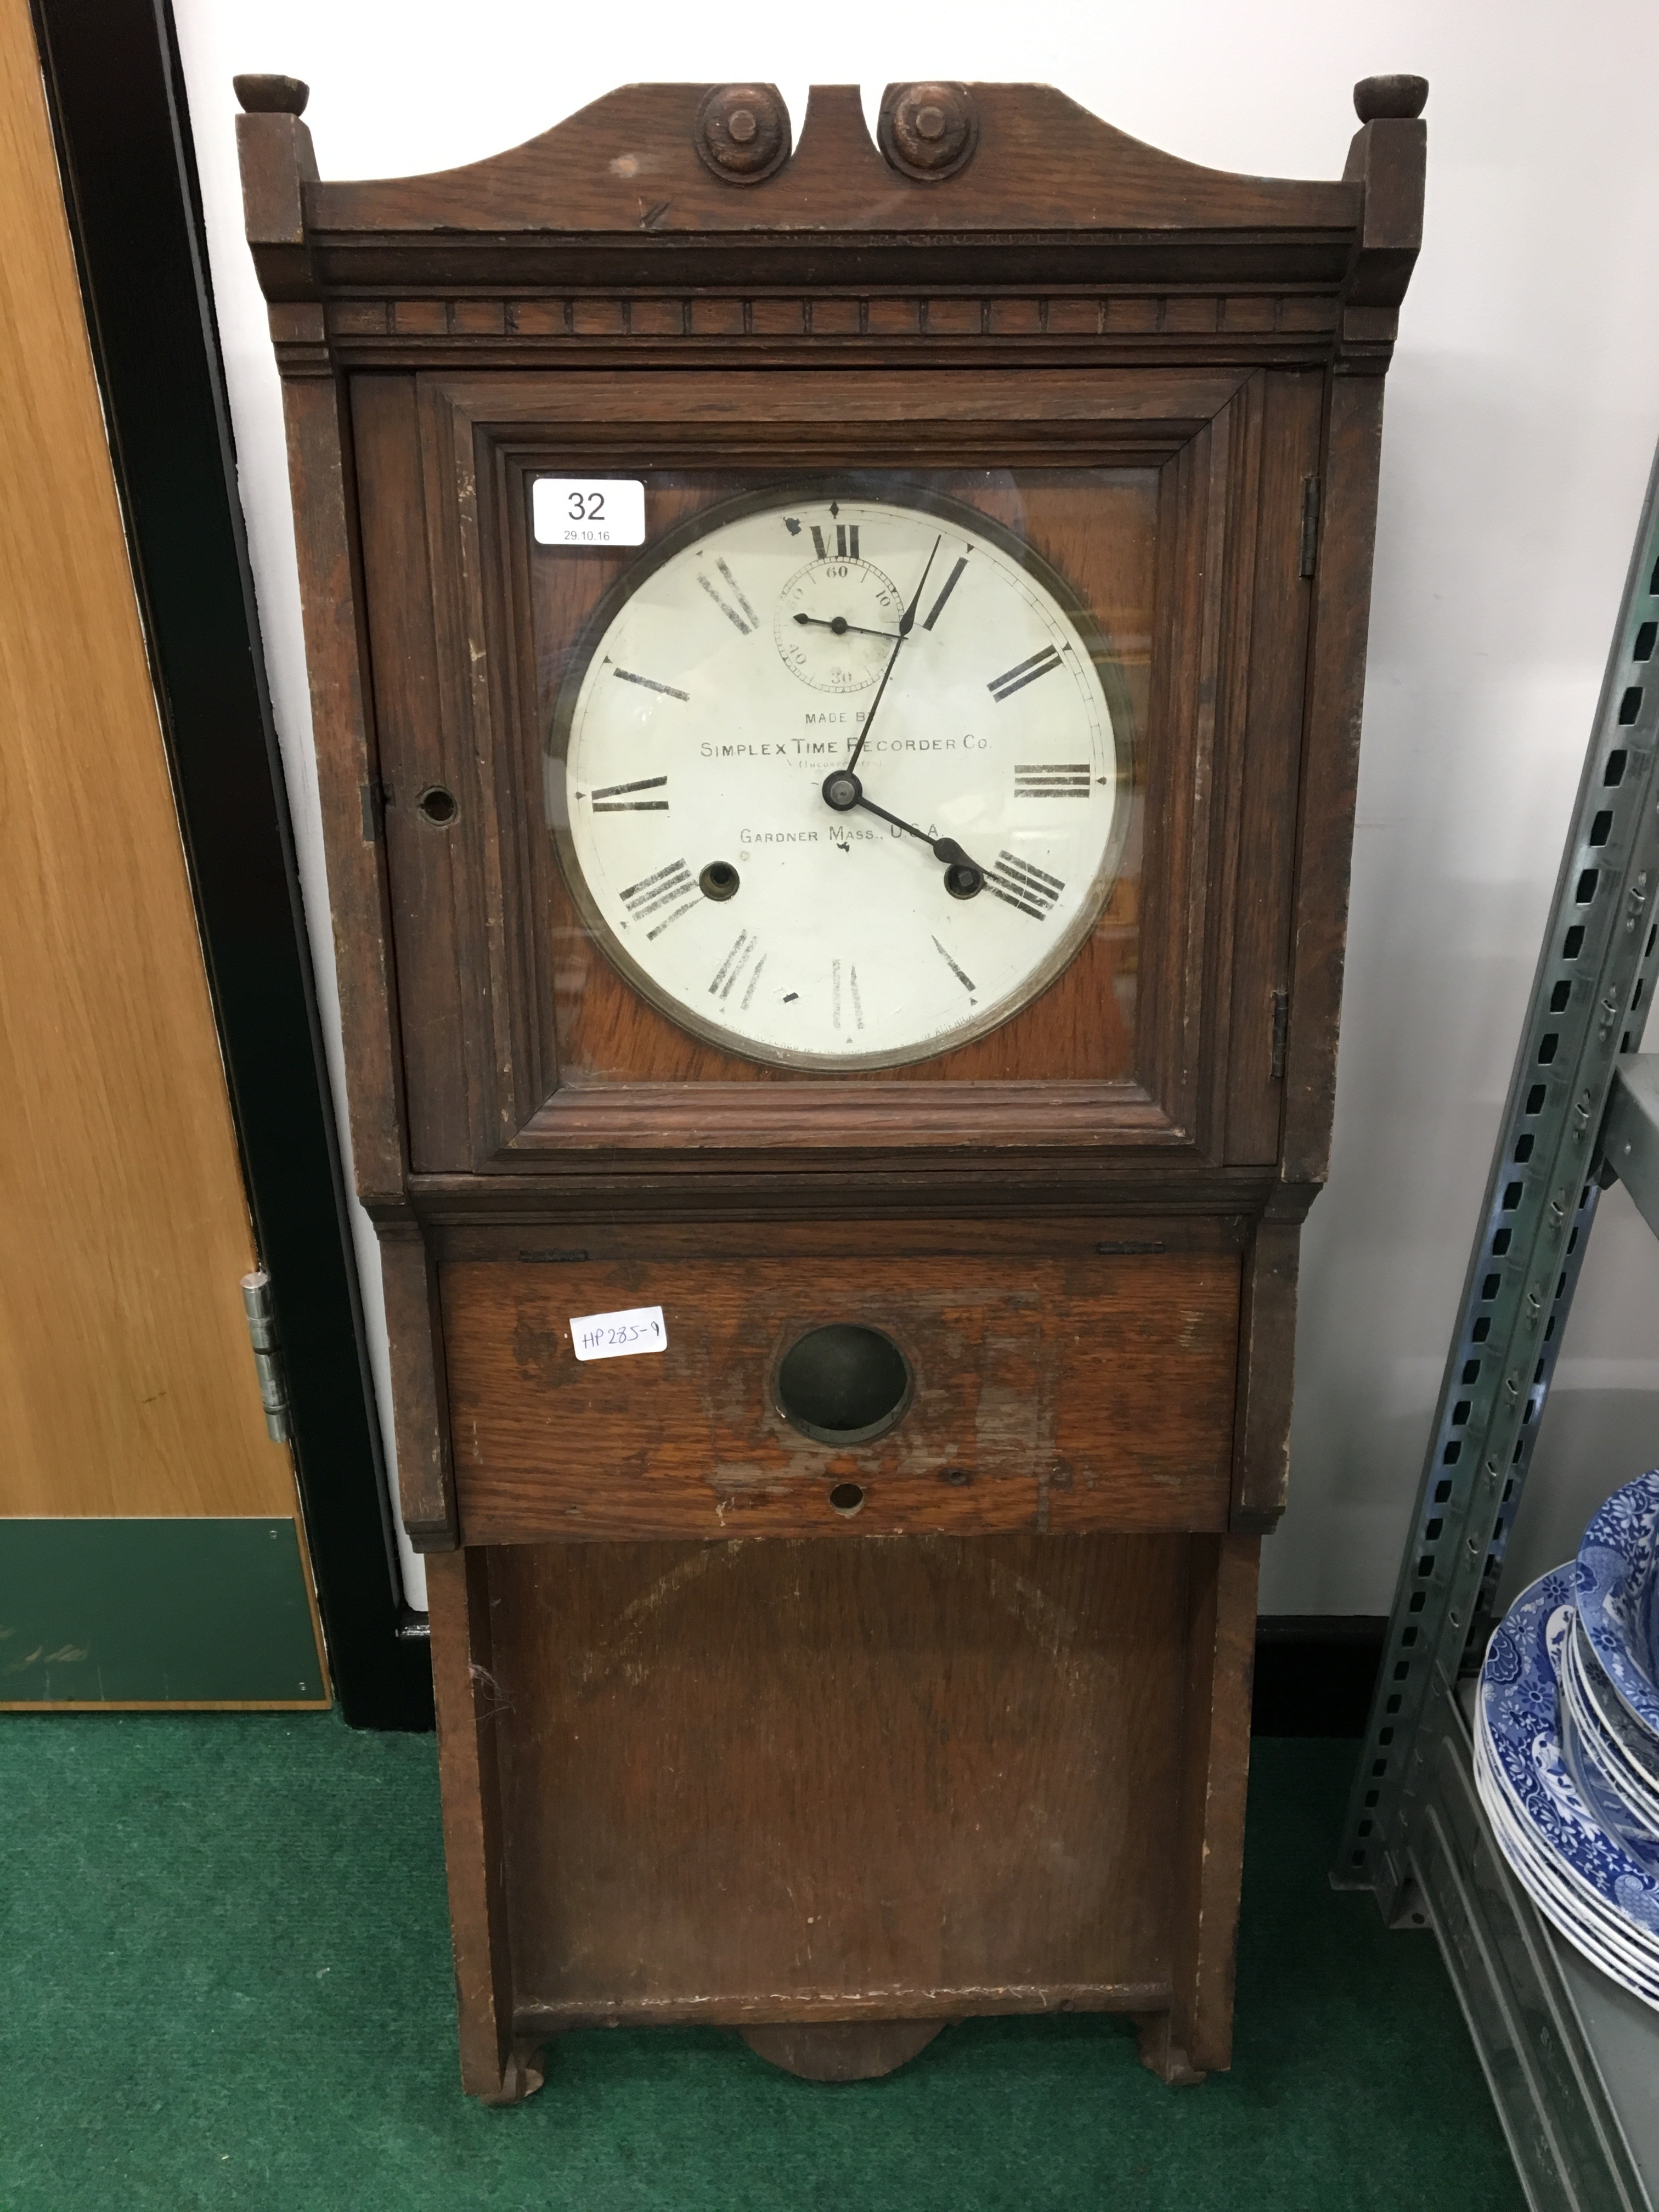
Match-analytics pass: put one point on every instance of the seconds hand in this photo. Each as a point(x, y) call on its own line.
point(841, 626)
point(906, 622)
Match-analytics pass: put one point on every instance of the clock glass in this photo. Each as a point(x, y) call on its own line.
point(841, 778)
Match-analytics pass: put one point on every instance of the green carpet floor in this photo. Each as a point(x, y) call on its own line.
point(224, 1981)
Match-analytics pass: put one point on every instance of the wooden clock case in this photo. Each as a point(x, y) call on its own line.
point(715, 1748)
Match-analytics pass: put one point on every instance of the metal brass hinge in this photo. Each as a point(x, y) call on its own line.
point(1310, 524)
point(1280, 1029)
point(267, 1356)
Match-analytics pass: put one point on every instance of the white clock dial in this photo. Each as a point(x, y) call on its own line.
point(838, 785)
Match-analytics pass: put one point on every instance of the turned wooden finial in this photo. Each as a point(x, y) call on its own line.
point(928, 131)
point(742, 132)
point(1394, 99)
point(271, 95)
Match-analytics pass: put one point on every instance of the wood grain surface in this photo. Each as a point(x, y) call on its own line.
point(1047, 1183)
point(476, 630)
point(1336, 692)
point(126, 1384)
point(413, 1326)
point(467, 1701)
point(348, 778)
point(628, 161)
point(808, 1781)
point(1267, 753)
point(1049, 1394)
point(1215, 1758)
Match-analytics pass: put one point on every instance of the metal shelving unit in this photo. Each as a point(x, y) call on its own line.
point(1573, 2063)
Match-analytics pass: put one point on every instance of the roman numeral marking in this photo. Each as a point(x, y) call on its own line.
point(846, 541)
point(817, 540)
point(654, 892)
point(754, 978)
point(949, 587)
point(853, 998)
point(730, 613)
point(732, 968)
point(1024, 672)
point(1061, 780)
point(613, 799)
point(650, 684)
point(1016, 883)
point(737, 592)
point(961, 974)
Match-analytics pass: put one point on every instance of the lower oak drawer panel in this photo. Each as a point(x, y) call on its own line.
point(1047, 1394)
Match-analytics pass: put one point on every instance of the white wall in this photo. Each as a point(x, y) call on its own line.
point(1522, 411)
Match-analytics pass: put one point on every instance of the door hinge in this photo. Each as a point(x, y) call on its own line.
point(267, 1356)
point(1281, 1024)
point(374, 798)
point(1310, 524)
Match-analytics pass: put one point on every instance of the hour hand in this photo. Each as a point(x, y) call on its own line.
point(963, 877)
point(840, 624)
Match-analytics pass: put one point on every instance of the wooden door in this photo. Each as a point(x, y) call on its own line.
point(150, 1550)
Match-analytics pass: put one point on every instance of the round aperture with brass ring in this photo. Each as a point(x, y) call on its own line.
point(843, 1384)
point(742, 132)
point(928, 131)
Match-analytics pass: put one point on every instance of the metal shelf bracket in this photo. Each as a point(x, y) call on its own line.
point(1629, 1135)
point(1576, 1057)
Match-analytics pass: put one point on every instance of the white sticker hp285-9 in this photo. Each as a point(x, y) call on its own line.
point(588, 511)
point(618, 1335)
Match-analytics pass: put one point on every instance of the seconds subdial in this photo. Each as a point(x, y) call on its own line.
point(836, 623)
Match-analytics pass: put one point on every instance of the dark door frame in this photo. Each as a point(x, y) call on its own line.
point(115, 89)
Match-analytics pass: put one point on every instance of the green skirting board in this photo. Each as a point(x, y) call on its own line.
point(186, 1611)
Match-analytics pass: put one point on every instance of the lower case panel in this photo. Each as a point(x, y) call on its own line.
point(191, 1610)
point(794, 1780)
point(1059, 1395)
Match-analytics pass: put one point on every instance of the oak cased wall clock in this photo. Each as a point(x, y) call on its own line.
point(836, 677)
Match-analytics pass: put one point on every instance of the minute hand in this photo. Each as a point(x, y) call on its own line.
point(906, 622)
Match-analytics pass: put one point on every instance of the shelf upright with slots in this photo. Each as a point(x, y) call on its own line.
point(1570, 2060)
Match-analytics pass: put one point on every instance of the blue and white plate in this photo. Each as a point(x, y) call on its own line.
point(1618, 1595)
point(1602, 1936)
point(1584, 1755)
point(1626, 1753)
point(1595, 1938)
point(1584, 1879)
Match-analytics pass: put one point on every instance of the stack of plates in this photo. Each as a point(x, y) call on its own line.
point(1566, 1742)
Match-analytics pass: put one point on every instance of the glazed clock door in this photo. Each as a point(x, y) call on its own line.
point(849, 777)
